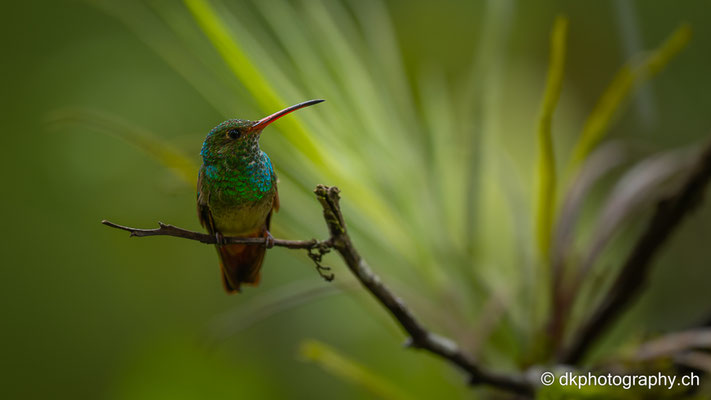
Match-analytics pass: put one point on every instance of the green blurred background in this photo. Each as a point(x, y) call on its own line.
point(88, 313)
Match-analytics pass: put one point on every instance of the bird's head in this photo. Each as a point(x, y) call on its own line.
point(239, 137)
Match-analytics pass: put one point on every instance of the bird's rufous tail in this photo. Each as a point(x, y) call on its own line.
point(241, 263)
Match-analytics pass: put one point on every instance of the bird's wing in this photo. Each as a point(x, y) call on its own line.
point(275, 204)
point(204, 214)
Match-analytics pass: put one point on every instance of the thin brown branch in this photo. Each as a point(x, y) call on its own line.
point(170, 230)
point(667, 217)
point(420, 337)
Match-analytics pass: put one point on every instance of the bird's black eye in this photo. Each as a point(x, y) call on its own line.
point(234, 133)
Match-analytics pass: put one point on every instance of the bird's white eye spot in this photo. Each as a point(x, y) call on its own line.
point(234, 133)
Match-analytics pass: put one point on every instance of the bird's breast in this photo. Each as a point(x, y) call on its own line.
point(243, 218)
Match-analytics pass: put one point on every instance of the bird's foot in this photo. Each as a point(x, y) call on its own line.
point(268, 240)
point(219, 239)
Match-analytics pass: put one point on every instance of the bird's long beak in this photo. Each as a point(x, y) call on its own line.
point(262, 123)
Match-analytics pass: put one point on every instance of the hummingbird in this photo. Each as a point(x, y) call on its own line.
point(237, 193)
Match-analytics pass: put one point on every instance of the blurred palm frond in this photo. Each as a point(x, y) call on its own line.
point(628, 78)
point(338, 364)
point(546, 175)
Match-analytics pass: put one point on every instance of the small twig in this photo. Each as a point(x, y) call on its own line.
point(316, 255)
point(633, 276)
point(420, 337)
